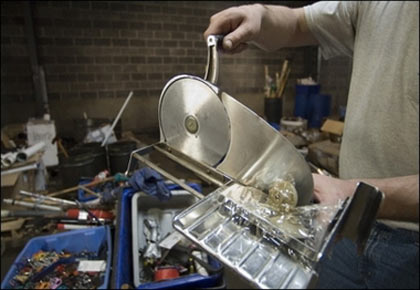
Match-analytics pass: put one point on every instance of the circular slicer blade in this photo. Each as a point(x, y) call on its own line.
point(194, 121)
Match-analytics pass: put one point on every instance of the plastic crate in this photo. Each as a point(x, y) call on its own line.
point(72, 241)
point(123, 266)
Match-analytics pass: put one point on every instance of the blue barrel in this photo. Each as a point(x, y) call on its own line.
point(320, 108)
point(301, 106)
point(302, 99)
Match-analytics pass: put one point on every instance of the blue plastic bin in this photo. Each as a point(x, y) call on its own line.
point(123, 269)
point(82, 196)
point(320, 108)
point(303, 105)
point(74, 241)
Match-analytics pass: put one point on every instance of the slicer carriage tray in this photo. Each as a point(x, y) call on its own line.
point(227, 226)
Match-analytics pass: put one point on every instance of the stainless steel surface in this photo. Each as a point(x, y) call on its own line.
point(212, 67)
point(357, 223)
point(168, 176)
point(206, 173)
point(193, 120)
point(259, 155)
point(227, 230)
point(229, 237)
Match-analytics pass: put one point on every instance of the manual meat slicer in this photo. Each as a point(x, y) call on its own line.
point(222, 141)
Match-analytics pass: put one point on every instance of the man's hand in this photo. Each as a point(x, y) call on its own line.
point(329, 190)
point(269, 27)
point(239, 25)
point(401, 201)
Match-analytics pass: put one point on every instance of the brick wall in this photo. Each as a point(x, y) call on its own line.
point(95, 52)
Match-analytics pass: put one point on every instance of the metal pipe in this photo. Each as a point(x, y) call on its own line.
point(31, 205)
point(168, 176)
point(31, 213)
point(117, 118)
point(20, 169)
point(42, 197)
point(38, 76)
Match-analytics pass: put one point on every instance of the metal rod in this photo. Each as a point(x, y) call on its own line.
point(19, 169)
point(31, 213)
point(117, 118)
point(191, 167)
point(168, 176)
point(31, 204)
point(41, 196)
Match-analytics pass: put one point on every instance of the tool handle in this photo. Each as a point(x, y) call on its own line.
point(214, 42)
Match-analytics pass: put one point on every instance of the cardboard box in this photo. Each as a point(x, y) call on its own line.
point(334, 127)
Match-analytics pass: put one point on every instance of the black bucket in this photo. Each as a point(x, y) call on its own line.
point(119, 155)
point(273, 109)
point(75, 167)
point(98, 152)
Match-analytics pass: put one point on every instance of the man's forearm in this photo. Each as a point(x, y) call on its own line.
point(401, 197)
point(284, 27)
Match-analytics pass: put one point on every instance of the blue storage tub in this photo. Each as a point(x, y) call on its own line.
point(320, 108)
point(74, 241)
point(123, 267)
point(82, 196)
point(303, 105)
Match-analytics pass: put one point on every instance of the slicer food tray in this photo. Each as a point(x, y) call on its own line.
point(235, 242)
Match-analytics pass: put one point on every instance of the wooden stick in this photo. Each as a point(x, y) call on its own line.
point(89, 190)
point(61, 147)
point(266, 82)
point(74, 188)
point(282, 78)
point(283, 86)
point(284, 69)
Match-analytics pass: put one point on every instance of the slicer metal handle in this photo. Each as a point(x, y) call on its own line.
point(212, 69)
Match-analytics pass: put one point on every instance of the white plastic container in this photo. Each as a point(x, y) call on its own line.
point(40, 130)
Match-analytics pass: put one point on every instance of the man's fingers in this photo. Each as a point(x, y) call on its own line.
point(221, 23)
point(239, 48)
point(233, 25)
point(237, 38)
